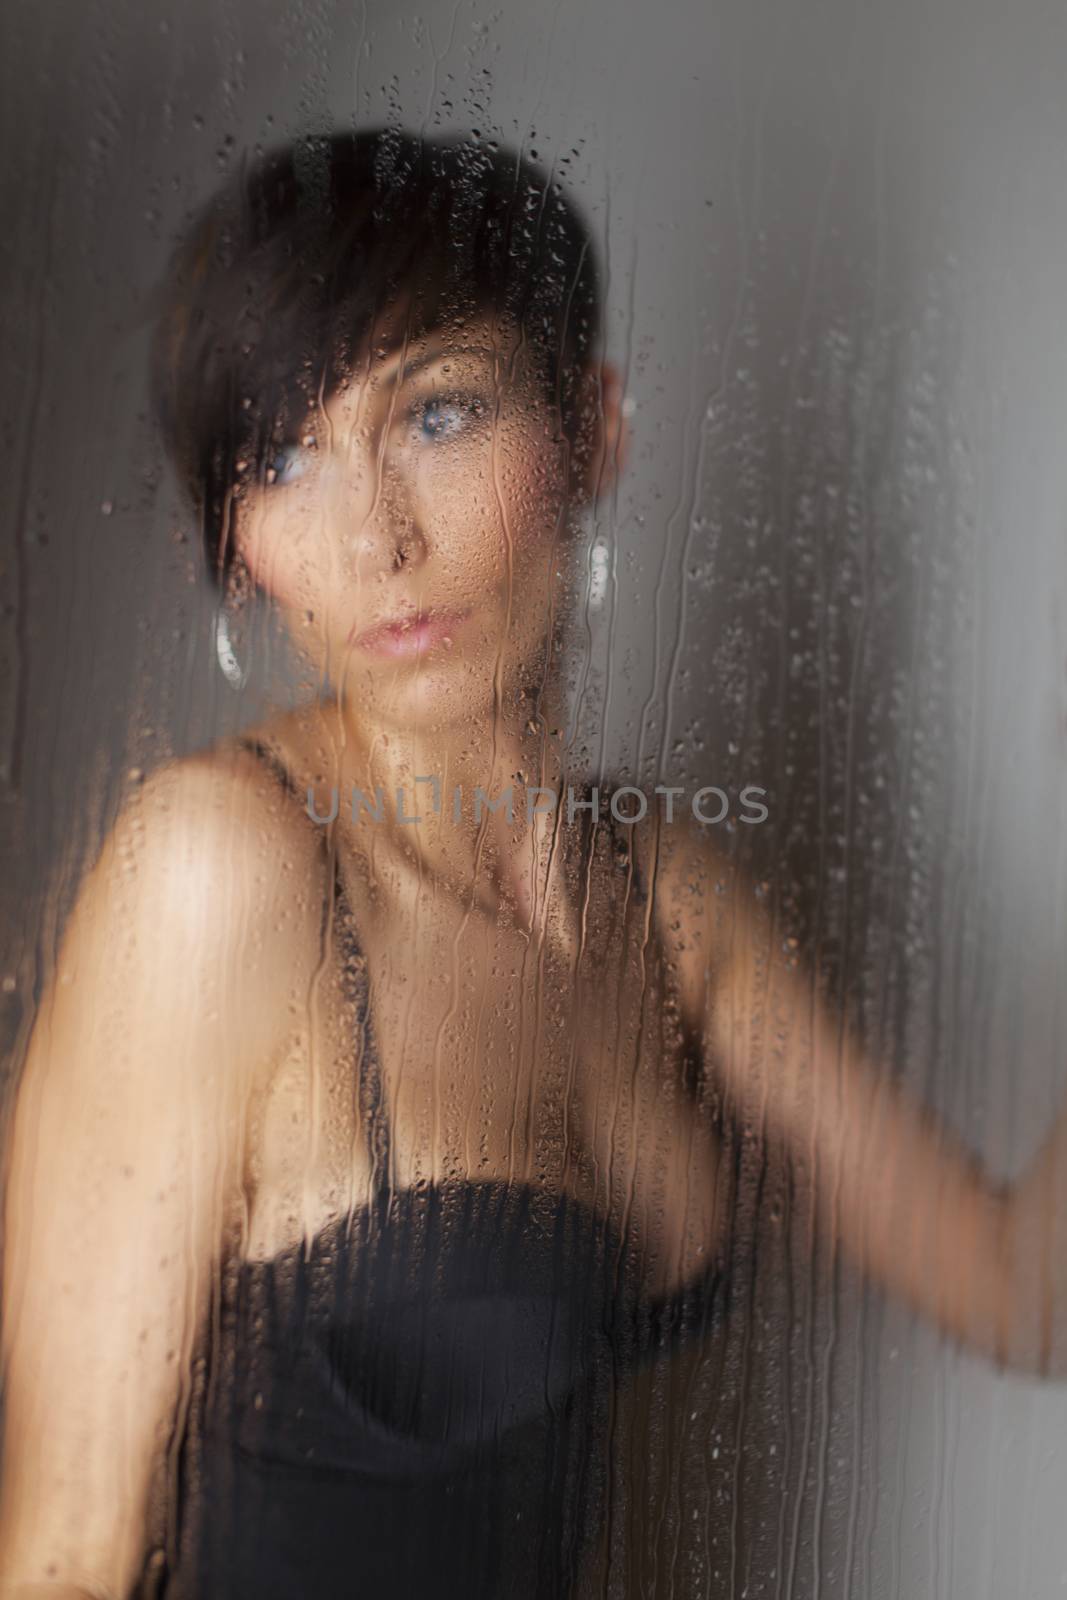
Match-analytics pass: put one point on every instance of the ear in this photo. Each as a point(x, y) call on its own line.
point(600, 468)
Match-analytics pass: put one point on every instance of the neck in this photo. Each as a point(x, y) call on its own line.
point(464, 768)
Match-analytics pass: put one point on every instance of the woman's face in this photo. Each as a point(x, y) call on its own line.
point(410, 534)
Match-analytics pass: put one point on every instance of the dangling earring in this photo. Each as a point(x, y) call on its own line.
point(600, 552)
point(599, 574)
point(235, 674)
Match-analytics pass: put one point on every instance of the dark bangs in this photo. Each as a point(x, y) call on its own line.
point(282, 284)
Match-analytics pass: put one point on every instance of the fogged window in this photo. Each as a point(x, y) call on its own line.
point(533, 720)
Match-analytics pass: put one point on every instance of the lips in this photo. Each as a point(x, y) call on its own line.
point(408, 637)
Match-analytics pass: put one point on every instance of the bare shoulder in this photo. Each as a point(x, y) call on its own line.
point(708, 910)
point(202, 913)
point(689, 866)
point(204, 835)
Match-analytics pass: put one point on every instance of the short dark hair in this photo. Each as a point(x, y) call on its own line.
point(279, 282)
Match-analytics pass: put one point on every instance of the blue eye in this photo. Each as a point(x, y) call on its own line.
point(440, 420)
point(288, 464)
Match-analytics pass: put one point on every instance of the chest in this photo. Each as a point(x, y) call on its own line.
point(490, 1050)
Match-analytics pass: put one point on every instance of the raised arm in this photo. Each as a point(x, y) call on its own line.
point(170, 990)
point(907, 1200)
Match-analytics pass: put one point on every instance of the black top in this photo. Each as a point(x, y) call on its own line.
point(417, 1402)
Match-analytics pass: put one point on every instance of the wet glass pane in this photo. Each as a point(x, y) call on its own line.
point(532, 735)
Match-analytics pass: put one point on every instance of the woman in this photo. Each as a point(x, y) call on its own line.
point(356, 1160)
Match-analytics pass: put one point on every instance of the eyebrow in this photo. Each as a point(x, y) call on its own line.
point(420, 363)
point(417, 364)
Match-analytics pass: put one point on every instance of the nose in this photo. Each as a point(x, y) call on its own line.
point(381, 528)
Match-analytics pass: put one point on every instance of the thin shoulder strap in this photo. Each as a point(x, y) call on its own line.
point(374, 1117)
point(620, 834)
point(274, 764)
point(373, 1112)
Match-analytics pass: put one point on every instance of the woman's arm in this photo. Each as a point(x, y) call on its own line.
point(171, 988)
point(48, 1591)
point(907, 1200)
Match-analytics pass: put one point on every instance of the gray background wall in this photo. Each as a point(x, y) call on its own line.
point(835, 237)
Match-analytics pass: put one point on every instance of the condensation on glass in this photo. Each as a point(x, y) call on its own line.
point(532, 736)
